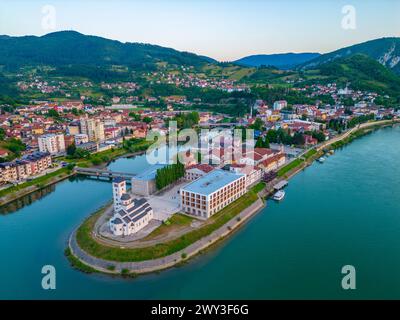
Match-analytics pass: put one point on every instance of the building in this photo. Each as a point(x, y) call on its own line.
point(3, 153)
point(132, 216)
point(144, 184)
point(68, 140)
point(253, 173)
point(73, 129)
point(25, 167)
point(256, 156)
point(81, 138)
point(119, 188)
point(51, 143)
point(211, 193)
point(89, 146)
point(273, 163)
point(93, 128)
point(279, 105)
point(196, 171)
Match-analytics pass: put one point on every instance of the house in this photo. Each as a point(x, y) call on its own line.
point(273, 163)
point(196, 171)
point(309, 140)
point(253, 173)
point(3, 153)
point(256, 156)
point(279, 105)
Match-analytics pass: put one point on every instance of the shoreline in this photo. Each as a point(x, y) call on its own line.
point(13, 196)
point(6, 199)
point(143, 267)
point(163, 263)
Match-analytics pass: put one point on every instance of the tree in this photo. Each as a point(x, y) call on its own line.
point(53, 113)
point(262, 143)
point(147, 120)
point(169, 174)
point(81, 153)
point(135, 116)
point(272, 136)
point(2, 134)
point(71, 149)
point(257, 125)
point(298, 139)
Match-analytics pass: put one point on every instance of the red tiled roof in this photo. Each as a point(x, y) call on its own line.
point(203, 167)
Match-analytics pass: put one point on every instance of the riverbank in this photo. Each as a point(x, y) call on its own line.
point(314, 153)
point(106, 157)
point(15, 192)
point(117, 260)
point(99, 259)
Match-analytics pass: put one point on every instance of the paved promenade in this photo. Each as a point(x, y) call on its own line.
point(168, 261)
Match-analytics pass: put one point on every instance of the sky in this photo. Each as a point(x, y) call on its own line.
point(225, 30)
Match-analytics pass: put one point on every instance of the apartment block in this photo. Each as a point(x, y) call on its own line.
point(211, 193)
point(51, 143)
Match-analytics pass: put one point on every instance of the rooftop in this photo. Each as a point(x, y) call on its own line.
point(150, 173)
point(212, 181)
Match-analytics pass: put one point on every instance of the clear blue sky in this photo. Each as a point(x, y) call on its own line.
point(222, 29)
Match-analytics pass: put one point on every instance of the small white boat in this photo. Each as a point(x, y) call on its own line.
point(321, 160)
point(279, 195)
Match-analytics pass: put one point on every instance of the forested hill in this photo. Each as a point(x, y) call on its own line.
point(385, 50)
point(73, 48)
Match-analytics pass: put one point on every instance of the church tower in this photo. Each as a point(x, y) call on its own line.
point(119, 188)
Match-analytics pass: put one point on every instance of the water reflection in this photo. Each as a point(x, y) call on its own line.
point(27, 200)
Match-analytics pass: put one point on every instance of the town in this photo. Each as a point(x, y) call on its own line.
point(175, 153)
point(42, 137)
point(46, 141)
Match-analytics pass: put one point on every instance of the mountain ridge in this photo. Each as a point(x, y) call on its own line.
point(79, 49)
point(279, 60)
point(384, 50)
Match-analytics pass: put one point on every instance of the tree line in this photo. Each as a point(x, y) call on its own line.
point(169, 174)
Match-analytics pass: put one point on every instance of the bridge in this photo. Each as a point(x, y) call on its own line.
point(212, 125)
point(104, 173)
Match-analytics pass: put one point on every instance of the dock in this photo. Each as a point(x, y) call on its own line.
point(280, 185)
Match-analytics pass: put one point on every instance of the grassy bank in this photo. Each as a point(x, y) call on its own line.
point(36, 183)
point(15, 192)
point(289, 167)
point(313, 154)
point(78, 264)
point(88, 244)
point(356, 134)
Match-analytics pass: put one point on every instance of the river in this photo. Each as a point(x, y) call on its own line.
point(343, 212)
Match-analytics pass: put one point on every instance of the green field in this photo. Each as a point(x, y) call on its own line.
point(310, 153)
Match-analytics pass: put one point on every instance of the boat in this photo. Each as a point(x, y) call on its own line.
point(321, 160)
point(279, 195)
